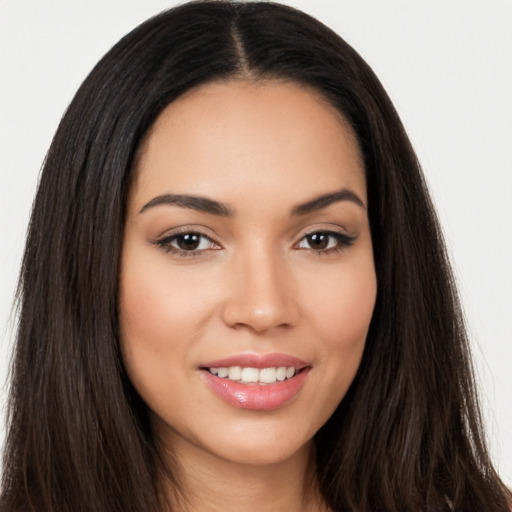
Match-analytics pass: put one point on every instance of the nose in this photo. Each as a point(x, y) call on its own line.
point(261, 293)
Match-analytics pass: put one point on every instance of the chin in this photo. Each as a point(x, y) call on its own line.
point(261, 444)
point(262, 453)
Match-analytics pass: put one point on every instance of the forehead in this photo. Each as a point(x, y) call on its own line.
point(227, 137)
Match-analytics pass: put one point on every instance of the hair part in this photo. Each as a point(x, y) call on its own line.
point(408, 434)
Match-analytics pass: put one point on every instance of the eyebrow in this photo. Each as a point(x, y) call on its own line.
point(203, 204)
point(324, 200)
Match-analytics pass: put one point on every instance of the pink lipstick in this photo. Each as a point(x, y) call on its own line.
point(257, 382)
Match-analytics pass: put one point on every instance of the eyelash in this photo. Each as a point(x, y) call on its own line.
point(342, 242)
point(165, 244)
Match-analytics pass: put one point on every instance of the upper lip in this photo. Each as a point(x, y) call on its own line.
point(273, 360)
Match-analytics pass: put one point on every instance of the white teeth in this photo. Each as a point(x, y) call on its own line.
point(222, 372)
point(281, 373)
point(290, 372)
point(268, 375)
point(248, 375)
point(234, 373)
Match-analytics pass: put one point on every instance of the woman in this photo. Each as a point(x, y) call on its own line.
point(235, 291)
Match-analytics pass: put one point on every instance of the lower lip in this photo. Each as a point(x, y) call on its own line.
point(256, 396)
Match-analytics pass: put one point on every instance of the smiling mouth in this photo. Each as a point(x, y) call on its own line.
point(256, 382)
point(249, 375)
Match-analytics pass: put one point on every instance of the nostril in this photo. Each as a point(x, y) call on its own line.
point(260, 298)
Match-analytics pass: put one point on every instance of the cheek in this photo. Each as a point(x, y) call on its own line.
point(341, 310)
point(160, 313)
point(157, 304)
point(347, 312)
point(342, 302)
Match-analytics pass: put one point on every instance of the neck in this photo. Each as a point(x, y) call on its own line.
point(211, 484)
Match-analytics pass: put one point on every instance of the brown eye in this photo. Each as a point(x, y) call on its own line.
point(318, 241)
point(325, 241)
point(188, 241)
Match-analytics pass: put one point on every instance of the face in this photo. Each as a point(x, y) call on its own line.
point(247, 282)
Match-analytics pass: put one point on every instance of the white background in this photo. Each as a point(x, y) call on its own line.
point(447, 65)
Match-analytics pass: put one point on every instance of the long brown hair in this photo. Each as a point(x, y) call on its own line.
point(407, 436)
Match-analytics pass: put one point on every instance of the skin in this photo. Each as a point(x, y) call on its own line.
point(255, 285)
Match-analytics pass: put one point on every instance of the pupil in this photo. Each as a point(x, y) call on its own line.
point(318, 240)
point(188, 242)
